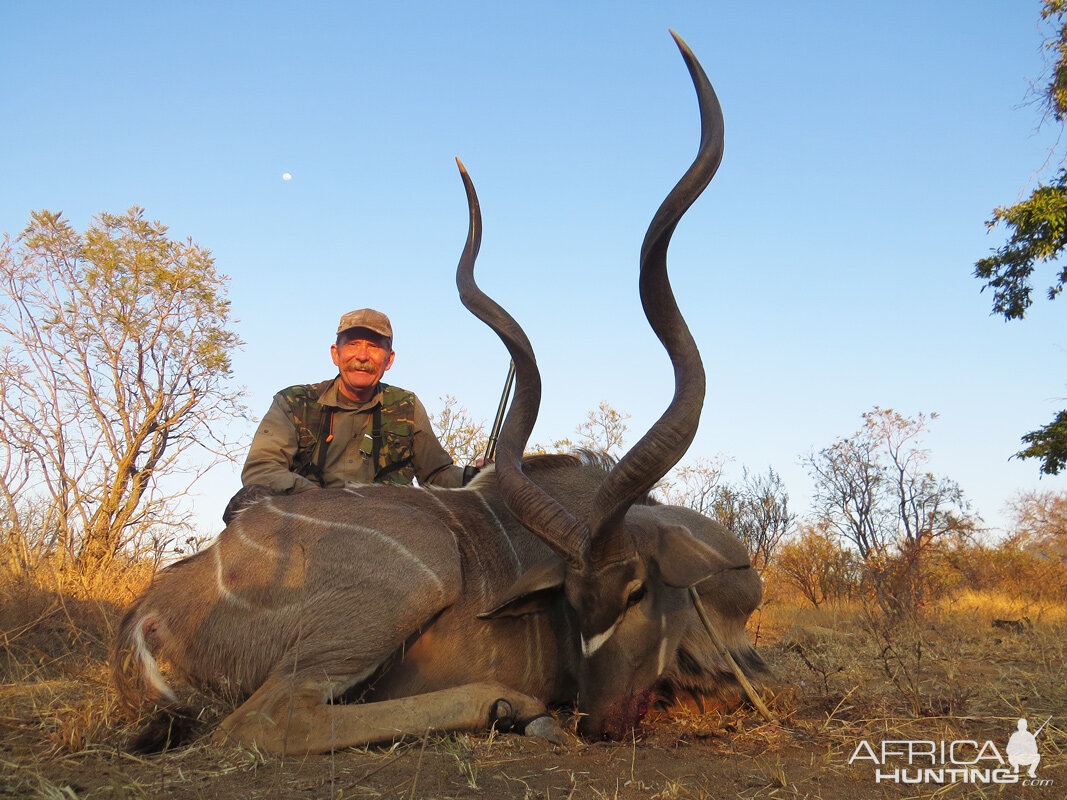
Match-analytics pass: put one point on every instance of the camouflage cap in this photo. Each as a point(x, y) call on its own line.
point(366, 318)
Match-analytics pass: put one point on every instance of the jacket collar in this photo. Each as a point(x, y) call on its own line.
point(333, 397)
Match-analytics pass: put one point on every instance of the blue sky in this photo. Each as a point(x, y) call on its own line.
point(826, 270)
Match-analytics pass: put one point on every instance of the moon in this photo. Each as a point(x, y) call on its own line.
point(287, 176)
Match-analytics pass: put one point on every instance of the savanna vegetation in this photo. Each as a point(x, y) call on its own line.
point(986, 647)
point(889, 612)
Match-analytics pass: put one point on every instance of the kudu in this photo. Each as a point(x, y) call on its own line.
point(550, 580)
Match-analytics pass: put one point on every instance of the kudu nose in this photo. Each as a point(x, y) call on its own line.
point(617, 721)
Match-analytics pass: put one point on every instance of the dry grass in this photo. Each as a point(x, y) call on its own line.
point(843, 675)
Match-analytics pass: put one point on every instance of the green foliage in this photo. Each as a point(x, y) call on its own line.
point(1056, 91)
point(1038, 235)
point(1049, 444)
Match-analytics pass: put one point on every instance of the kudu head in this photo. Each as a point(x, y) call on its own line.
point(623, 572)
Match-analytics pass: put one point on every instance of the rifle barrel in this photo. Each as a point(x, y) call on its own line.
point(490, 448)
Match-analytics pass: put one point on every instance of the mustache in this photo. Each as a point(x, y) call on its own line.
point(360, 365)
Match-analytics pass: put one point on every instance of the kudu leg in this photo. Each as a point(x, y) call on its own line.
point(287, 719)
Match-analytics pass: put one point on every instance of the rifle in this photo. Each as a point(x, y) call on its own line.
point(490, 448)
point(1043, 724)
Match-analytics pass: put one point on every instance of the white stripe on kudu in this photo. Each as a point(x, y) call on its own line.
point(347, 526)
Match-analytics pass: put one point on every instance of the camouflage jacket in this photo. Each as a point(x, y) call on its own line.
point(312, 436)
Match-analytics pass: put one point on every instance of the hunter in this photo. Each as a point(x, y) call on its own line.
point(349, 429)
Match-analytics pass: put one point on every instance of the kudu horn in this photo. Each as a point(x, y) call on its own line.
point(668, 439)
point(558, 528)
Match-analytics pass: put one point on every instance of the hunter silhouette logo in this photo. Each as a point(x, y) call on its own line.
point(1022, 748)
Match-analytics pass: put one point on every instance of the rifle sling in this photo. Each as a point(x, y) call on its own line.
point(325, 435)
point(376, 436)
point(376, 448)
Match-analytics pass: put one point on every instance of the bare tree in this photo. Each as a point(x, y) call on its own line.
point(1039, 520)
point(848, 485)
point(764, 517)
point(873, 489)
point(695, 485)
point(463, 438)
point(604, 430)
point(756, 510)
point(114, 364)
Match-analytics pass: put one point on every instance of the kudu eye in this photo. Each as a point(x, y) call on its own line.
point(637, 595)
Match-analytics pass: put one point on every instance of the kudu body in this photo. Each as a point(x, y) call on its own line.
point(545, 581)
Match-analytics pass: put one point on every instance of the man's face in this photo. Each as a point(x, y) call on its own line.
point(362, 356)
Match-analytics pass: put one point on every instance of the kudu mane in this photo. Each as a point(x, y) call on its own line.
point(596, 460)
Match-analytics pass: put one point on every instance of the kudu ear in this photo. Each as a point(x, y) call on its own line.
point(532, 591)
point(685, 560)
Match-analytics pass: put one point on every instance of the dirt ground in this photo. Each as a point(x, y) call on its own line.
point(838, 682)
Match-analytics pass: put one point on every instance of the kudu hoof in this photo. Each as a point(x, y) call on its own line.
point(502, 716)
